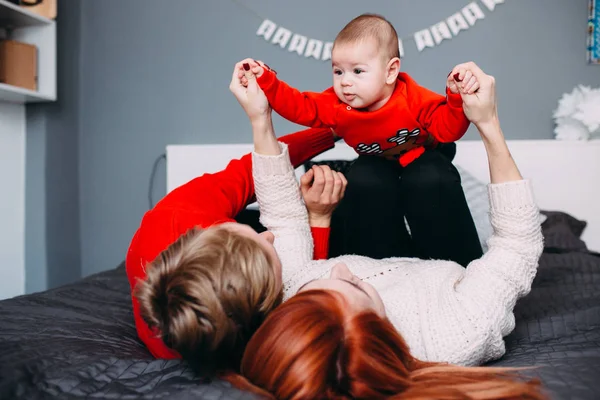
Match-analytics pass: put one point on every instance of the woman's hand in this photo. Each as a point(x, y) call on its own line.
point(480, 106)
point(322, 190)
point(481, 109)
point(257, 67)
point(255, 104)
point(462, 79)
point(247, 92)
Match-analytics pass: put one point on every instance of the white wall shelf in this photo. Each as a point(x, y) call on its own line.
point(11, 15)
point(14, 94)
point(20, 24)
point(25, 26)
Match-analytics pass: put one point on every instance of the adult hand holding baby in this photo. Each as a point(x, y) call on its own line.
point(462, 79)
point(246, 90)
point(480, 106)
point(481, 109)
point(257, 67)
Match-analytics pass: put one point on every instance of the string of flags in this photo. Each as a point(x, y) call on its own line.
point(426, 38)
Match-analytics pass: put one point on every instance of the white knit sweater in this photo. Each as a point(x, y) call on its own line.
point(444, 312)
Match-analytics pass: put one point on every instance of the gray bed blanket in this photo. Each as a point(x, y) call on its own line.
point(79, 340)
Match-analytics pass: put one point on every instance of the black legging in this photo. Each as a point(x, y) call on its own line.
point(370, 219)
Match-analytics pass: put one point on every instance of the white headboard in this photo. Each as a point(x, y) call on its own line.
point(565, 175)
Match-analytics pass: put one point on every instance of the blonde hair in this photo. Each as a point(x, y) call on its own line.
point(207, 293)
point(371, 26)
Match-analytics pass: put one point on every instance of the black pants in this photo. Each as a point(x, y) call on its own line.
point(370, 219)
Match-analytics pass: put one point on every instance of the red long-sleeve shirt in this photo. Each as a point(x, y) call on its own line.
point(205, 201)
point(413, 119)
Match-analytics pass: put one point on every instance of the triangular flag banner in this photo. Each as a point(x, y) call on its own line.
point(428, 37)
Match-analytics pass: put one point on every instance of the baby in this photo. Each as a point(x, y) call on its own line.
point(374, 107)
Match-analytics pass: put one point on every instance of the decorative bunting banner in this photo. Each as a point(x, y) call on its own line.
point(426, 38)
point(593, 45)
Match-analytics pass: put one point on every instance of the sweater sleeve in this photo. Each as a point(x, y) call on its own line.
point(492, 284)
point(443, 117)
point(305, 108)
point(282, 212)
point(321, 242)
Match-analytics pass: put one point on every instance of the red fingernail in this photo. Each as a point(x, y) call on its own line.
point(247, 66)
point(457, 77)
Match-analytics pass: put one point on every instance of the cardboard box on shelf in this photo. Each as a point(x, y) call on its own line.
point(18, 64)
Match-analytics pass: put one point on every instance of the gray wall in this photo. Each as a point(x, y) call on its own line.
point(154, 73)
point(36, 260)
point(52, 241)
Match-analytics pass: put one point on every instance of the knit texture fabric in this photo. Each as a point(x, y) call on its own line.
point(446, 313)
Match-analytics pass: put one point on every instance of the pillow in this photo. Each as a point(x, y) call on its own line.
point(554, 218)
point(562, 232)
point(476, 194)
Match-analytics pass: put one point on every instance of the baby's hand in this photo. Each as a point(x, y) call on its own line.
point(256, 66)
point(462, 80)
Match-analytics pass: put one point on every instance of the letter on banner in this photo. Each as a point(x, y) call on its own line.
point(313, 48)
point(400, 47)
point(472, 13)
point(266, 29)
point(297, 44)
point(327, 51)
point(424, 39)
point(491, 4)
point(282, 37)
point(440, 32)
point(457, 23)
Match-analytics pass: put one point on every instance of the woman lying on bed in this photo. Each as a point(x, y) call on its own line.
point(362, 328)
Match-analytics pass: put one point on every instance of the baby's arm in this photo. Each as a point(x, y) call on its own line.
point(310, 109)
point(443, 117)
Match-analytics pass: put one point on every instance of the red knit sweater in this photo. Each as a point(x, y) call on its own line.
point(205, 201)
point(413, 119)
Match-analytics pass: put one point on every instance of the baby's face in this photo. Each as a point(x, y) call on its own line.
point(359, 73)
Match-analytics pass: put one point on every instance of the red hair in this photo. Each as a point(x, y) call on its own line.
point(313, 347)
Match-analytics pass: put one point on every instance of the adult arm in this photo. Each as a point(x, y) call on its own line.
point(443, 117)
point(492, 284)
point(282, 210)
